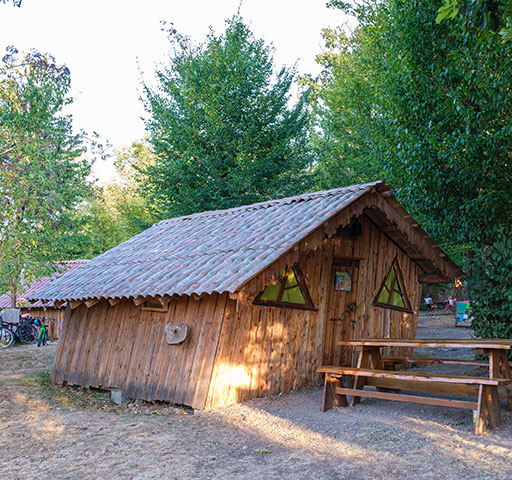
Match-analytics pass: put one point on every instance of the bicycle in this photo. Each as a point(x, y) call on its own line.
point(23, 332)
point(6, 336)
point(42, 335)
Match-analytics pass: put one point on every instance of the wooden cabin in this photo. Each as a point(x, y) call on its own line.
point(40, 308)
point(223, 306)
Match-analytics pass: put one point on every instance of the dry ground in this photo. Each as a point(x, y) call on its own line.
point(48, 432)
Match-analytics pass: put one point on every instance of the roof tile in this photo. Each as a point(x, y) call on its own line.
point(201, 253)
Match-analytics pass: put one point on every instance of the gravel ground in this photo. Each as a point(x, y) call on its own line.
point(49, 432)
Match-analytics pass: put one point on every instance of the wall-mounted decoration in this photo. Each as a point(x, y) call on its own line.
point(176, 333)
point(343, 281)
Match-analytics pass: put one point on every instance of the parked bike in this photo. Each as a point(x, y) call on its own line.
point(6, 336)
point(23, 331)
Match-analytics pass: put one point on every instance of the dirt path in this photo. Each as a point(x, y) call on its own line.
point(48, 432)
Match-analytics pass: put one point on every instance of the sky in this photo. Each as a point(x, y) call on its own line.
point(109, 44)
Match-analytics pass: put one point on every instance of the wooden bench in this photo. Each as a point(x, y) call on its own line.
point(486, 389)
point(439, 361)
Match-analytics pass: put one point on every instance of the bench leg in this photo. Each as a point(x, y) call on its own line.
point(331, 398)
point(506, 373)
point(488, 413)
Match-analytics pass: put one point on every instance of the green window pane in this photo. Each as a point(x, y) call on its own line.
point(271, 292)
point(293, 295)
point(397, 300)
point(292, 279)
point(390, 279)
point(391, 292)
point(383, 296)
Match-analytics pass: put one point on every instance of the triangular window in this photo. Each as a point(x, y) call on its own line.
point(392, 292)
point(289, 291)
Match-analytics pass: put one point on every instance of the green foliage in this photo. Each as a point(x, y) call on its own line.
point(490, 281)
point(494, 15)
point(42, 176)
point(343, 102)
point(433, 113)
point(221, 126)
point(116, 211)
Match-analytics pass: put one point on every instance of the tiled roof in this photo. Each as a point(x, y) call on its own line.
point(64, 267)
point(207, 252)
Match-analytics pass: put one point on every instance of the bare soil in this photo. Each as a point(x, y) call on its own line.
point(49, 432)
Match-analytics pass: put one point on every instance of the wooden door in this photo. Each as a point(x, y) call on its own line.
point(341, 311)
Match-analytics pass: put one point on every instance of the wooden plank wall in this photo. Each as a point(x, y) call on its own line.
point(268, 350)
point(56, 313)
point(264, 350)
point(233, 352)
point(124, 347)
point(377, 253)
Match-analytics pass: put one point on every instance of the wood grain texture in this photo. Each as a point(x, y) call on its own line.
point(431, 343)
point(235, 350)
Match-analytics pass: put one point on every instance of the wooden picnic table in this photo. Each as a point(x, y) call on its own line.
point(370, 369)
point(369, 350)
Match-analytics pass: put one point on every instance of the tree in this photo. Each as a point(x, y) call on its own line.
point(495, 15)
point(116, 210)
point(438, 123)
point(42, 173)
point(343, 100)
point(221, 126)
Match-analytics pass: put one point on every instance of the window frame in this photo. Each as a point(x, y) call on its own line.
point(300, 283)
point(153, 305)
point(403, 293)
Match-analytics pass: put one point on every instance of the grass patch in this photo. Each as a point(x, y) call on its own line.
point(43, 378)
point(263, 451)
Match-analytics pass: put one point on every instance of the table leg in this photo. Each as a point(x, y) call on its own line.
point(499, 367)
point(362, 362)
point(366, 354)
point(331, 398)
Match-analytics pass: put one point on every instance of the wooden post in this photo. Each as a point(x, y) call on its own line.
point(362, 362)
point(331, 398)
point(488, 411)
point(505, 371)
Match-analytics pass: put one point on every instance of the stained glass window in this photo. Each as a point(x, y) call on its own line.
point(392, 292)
point(289, 291)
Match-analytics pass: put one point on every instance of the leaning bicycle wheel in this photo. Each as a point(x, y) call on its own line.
point(28, 333)
point(6, 337)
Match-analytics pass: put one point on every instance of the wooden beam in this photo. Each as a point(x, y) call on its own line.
point(58, 303)
point(167, 299)
point(416, 256)
point(114, 301)
point(139, 300)
point(91, 302)
point(75, 304)
point(433, 278)
point(163, 301)
point(399, 397)
point(389, 228)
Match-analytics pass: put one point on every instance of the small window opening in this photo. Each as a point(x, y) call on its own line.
point(154, 306)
